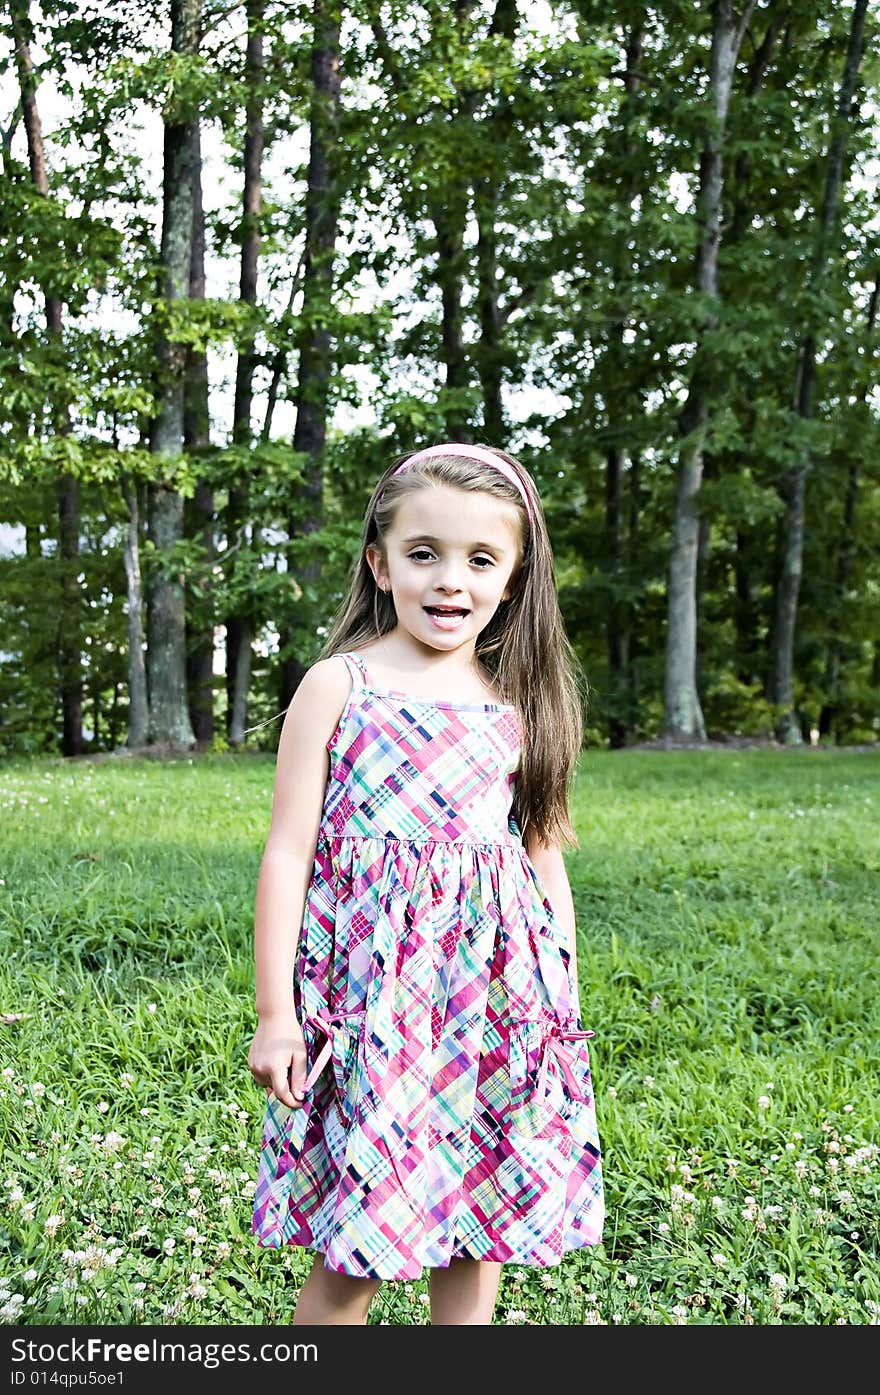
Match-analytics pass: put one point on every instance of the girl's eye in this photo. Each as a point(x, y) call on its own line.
point(421, 554)
point(483, 562)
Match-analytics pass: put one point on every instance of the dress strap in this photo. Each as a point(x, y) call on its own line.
point(357, 668)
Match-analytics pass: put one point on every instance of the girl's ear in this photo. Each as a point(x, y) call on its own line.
point(512, 586)
point(376, 563)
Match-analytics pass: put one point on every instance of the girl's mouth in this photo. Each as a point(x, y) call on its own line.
point(446, 617)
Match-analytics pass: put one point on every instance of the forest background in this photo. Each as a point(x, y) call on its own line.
point(251, 252)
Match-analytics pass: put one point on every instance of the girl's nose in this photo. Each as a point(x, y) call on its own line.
point(449, 581)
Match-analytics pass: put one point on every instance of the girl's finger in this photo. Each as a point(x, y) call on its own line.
point(281, 1090)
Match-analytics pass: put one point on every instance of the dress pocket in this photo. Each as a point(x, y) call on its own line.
point(333, 1044)
point(549, 1076)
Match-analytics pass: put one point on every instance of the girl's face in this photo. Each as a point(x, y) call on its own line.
point(449, 560)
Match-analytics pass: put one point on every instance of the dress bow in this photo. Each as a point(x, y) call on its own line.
point(560, 1057)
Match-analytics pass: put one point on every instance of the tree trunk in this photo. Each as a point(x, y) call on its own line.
point(70, 633)
point(489, 359)
point(746, 602)
point(239, 627)
point(843, 563)
point(683, 715)
point(166, 656)
point(633, 553)
point(198, 511)
point(794, 484)
point(449, 223)
point(138, 713)
point(745, 611)
point(616, 630)
point(70, 616)
point(315, 344)
point(618, 611)
point(490, 355)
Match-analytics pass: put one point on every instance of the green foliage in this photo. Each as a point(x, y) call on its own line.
point(492, 170)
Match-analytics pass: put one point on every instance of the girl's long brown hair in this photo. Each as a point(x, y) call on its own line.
point(524, 646)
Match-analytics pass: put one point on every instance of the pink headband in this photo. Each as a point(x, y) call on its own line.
point(485, 457)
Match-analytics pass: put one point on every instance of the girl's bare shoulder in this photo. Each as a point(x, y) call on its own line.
point(322, 694)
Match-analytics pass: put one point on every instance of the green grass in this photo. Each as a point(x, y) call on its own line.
point(728, 930)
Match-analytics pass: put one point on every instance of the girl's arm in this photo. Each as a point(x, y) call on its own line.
point(277, 1056)
point(547, 860)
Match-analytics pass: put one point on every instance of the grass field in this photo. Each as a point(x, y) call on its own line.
point(728, 919)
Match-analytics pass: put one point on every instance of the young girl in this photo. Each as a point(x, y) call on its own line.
point(429, 1086)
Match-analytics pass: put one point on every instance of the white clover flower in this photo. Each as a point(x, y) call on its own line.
point(664, 1227)
point(51, 1224)
point(515, 1316)
point(612, 1092)
point(778, 1282)
point(169, 1244)
point(151, 1007)
point(720, 1260)
point(630, 1280)
point(764, 1101)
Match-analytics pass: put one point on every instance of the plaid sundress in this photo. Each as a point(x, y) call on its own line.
point(449, 1109)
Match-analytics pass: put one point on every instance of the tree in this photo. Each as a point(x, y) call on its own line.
point(169, 710)
point(781, 686)
point(683, 716)
point(70, 617)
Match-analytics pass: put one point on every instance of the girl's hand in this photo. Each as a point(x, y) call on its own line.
point(277, 1058)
